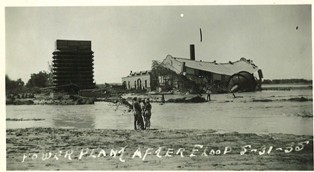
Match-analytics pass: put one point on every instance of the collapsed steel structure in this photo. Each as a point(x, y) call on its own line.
point(238, 76)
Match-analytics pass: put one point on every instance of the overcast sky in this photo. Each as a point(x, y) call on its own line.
point(129, 38)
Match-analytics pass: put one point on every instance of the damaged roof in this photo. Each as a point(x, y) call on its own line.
point(218, 68)
point(146, 72)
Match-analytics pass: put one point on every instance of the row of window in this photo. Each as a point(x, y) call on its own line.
point(138, 84)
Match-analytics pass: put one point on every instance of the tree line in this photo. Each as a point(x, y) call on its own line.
point(37, 80)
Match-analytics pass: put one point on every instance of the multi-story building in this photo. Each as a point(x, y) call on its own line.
point(73, 64)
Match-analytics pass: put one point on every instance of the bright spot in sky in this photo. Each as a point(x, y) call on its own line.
point(181, 15)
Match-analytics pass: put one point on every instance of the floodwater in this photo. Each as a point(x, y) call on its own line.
point(224, 113)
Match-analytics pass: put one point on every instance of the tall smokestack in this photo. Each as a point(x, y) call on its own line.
point(192, 52)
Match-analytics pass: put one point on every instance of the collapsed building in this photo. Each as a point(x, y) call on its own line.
point(73, 65)
point(241, 75)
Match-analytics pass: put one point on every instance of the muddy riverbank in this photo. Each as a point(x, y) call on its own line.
point(97, 149)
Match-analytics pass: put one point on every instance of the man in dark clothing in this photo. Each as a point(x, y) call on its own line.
point(137, 114)
point(147, 113)
point(163, 99)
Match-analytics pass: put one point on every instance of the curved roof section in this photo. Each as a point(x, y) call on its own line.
point(218, 68)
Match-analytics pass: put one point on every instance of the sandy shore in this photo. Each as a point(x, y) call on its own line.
point(78, 149)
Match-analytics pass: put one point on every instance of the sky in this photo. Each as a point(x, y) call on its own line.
point(276, 37)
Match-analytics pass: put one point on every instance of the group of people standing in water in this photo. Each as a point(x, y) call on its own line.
point(142, 113)
point(142, 110)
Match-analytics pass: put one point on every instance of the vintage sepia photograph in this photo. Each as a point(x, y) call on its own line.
point(158, 87)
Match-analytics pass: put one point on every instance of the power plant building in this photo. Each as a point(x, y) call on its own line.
point(241, 75)
point(73, 64)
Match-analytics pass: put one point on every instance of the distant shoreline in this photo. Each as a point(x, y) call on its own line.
point(287, 86)
point(287, 81)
